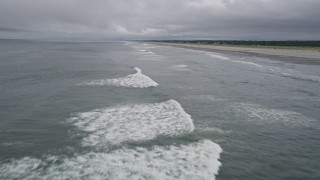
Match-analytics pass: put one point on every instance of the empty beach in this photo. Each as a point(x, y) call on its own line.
point(300, 56)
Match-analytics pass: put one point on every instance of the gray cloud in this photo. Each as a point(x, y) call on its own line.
point(160, 19)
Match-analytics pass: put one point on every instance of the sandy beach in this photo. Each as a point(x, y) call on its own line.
point(299, 56)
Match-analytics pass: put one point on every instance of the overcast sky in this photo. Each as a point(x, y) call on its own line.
point(160, 19)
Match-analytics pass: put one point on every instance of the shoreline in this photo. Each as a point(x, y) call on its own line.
point(310, 57)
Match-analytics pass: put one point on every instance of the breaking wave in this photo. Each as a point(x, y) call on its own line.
point(289, 73)
point(217, 56)
point(144, 52)
point(137, 80)
point(260, 114)
point(204, 97)
point(137, 122)
point(197, 160)
point(272, 70)
point(246, 62)
point(231, 60)
point(180, 67)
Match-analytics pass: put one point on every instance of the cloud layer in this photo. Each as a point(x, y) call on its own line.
point(160, 19)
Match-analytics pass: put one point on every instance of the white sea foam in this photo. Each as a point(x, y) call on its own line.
point(142, 47)
point(292, 74)
point(233, 61)
point(139, 46)
point(216, 56)
point(18, 143)
point(271, 69)
point(204, 97)
point(180, 67)
point(260, 114)
point(198, 160)
point(202, 128)
point(137, 122)
point(148, 55)
point(146, 51)
point(246, 62)
point(137, 80)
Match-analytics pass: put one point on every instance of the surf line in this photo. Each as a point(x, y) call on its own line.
point(137, 80)
point(134, 122)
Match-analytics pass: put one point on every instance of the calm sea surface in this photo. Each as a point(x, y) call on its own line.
point(128, 110)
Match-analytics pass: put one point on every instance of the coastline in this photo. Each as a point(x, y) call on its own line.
point(297, 56)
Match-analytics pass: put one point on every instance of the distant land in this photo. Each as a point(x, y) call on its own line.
point(300, 52)
point(259, 44)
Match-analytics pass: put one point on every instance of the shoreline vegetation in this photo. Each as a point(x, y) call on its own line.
point(302, 52)
point(307, 45)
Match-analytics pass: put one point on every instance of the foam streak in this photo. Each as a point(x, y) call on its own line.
point(193, 161)
point(133, 123)
point(137, 80)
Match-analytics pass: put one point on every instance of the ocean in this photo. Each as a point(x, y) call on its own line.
point(135, 110)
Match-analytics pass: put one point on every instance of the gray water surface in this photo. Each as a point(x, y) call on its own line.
point(263, 113)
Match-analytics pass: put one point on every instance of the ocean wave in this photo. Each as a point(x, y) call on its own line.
point(199, 160)
point(148, 55)
point(247, 62)
point(180, 67)
point(290, 73)
point(231, 60)
point(139, 46)
point(203, 129)
point(137, 122)
point(137, 80)
point(272, 70)
point(145, 51)
point(259, 114)
point(216, 56)
point(204, 97)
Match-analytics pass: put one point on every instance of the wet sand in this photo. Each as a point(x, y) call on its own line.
point(299, 56)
